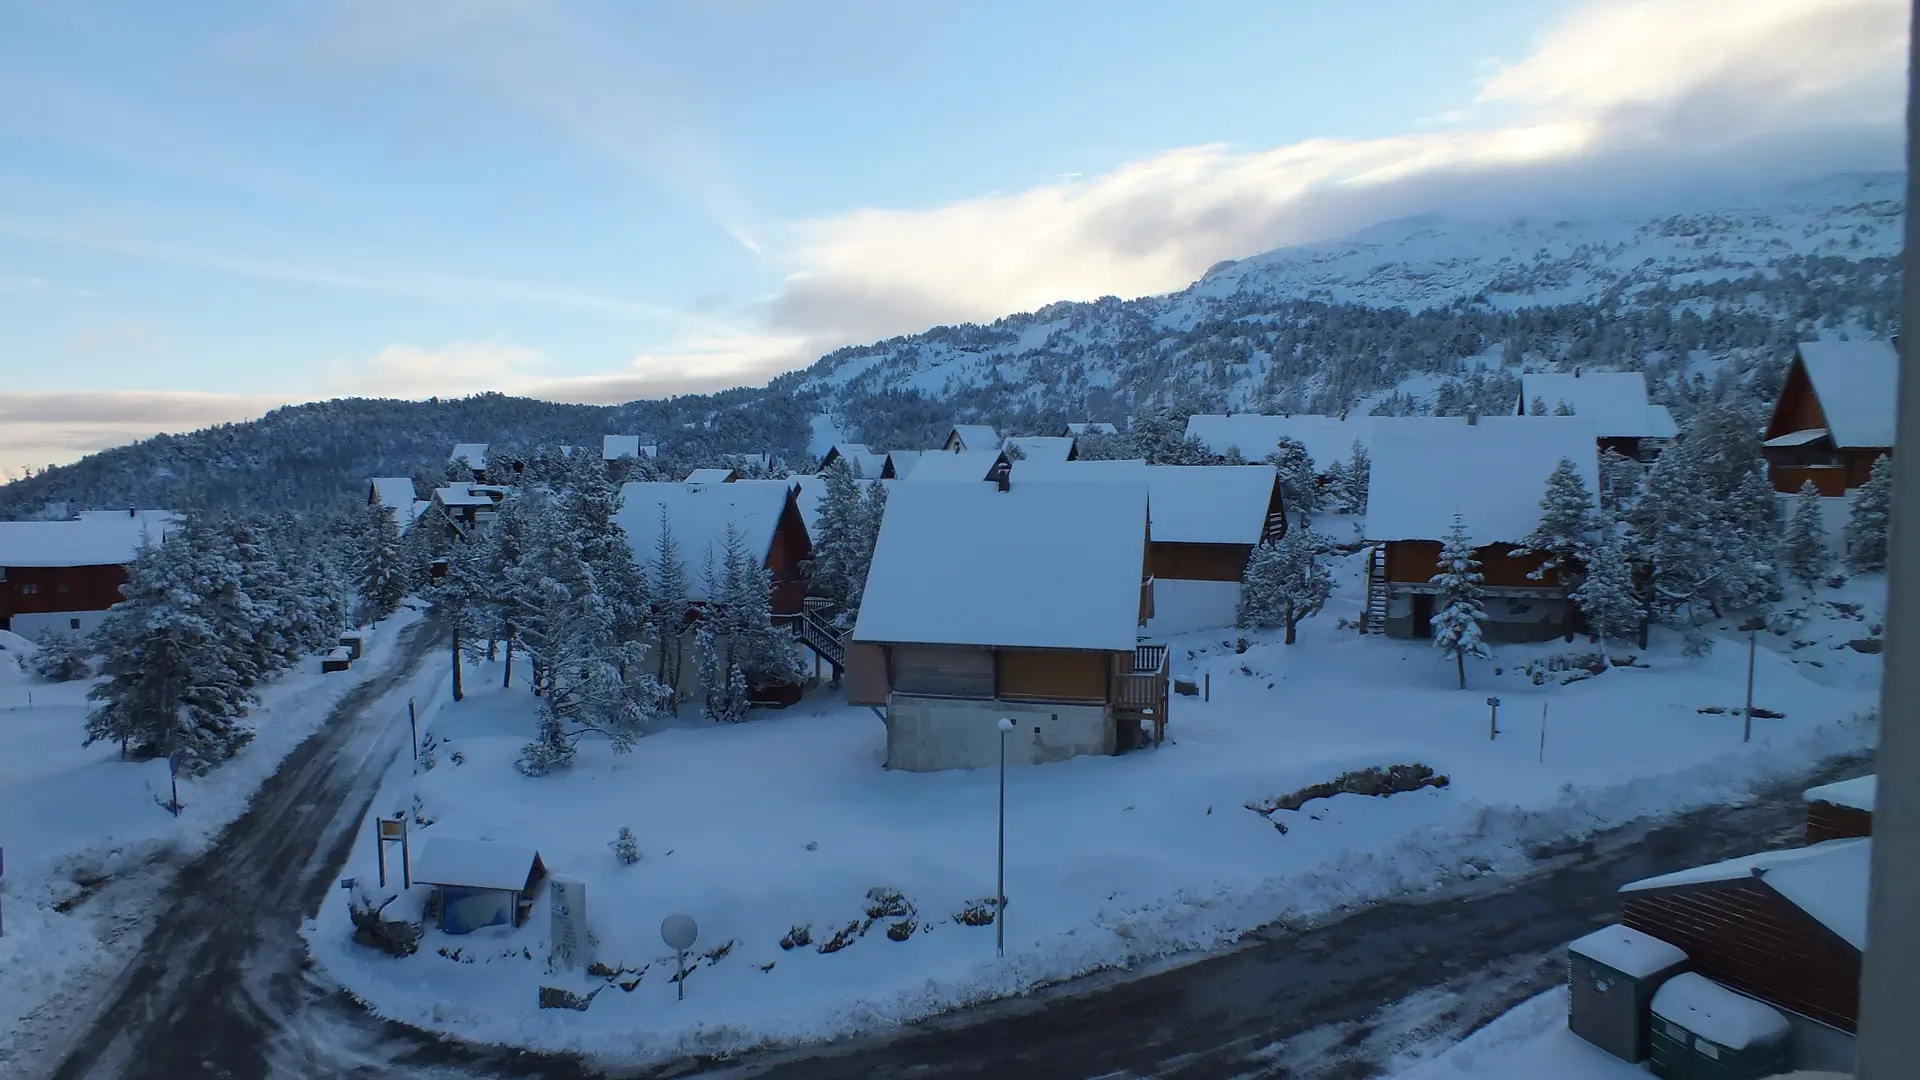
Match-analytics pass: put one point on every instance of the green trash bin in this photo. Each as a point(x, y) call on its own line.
point(1612, 975)
point(1704, 1031)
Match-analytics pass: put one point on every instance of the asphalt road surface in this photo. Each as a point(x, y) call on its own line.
point(221, 989)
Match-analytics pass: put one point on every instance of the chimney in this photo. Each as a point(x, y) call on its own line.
point(1576, 371)
point(1003, 475)
point(1473, 416)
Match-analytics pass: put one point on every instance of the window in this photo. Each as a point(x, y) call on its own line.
point(73, 624)
point(62, 587)
point(29, 589)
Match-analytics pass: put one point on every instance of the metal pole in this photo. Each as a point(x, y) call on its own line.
point(406, 855)
point(413, 722)
point(1890, 976)
point(681, 982)
point(1206, 687)
point(1753, 645)
point(1000, 879)
point(1543, 731)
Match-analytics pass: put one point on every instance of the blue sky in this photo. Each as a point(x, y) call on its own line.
point(240, 203)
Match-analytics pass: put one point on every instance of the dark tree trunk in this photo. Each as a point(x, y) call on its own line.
point(459, 691)
point(1291, 622)
point(507, 681)
point(1460, 659)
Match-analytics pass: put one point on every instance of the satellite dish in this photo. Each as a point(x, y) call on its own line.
point(679, 931)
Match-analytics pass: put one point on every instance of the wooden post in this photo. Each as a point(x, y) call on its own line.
point(380, 846)
point(1206, 687)
point(413, 722)
point(406, 857)
point(1543, 731)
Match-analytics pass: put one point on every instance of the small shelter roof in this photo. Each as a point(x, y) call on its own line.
point(478, 864)
point(1857, 793)
point(1827, 881)
point(1633, 953)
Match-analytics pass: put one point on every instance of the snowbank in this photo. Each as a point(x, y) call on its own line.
point(74, 818)
point(1716, 1013)
point(789, 823)
point(1531, 1040)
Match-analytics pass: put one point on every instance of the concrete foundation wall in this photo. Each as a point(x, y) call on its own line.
point(32, 624)
point(927, 734)
point(1180, 606)
point(1518, 618)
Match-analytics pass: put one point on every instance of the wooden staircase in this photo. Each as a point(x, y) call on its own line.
point(828, 642)
point(1374, 620)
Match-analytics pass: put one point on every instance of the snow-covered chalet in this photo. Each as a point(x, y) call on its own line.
point(1614, 402)
point(64, 575)
point(1328, 440)
point(1834, 416)
point(1492, 471)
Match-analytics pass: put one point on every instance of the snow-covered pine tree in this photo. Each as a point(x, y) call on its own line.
point(1620, 479)
point(461, 600)
point(838, 538)
point(667, 572)
point(1566, 519)
point(382, 576)
point(1352, 485)
point(873, 511)
point(1233, 456)
point(176, 681)
point(1806, 556)
point(271, 606)
point(1538, 407)
point(1158, 435)
point(1299, 478)
point(60, 657)
point(1457, 611)
point(1561, 408)
point(1608, 597)
point(590, 503)
point(1869, 517)
point(1285, 583)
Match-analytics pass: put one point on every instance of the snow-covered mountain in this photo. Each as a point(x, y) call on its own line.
point(1394, 317)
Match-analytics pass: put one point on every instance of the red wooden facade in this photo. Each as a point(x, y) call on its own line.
point(1832, 470)
point(1826, 821)
point(1741, 933)
point(788, 551)
point(1415, 562)
point(28, 590)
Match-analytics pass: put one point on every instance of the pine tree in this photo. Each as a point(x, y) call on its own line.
point(1607, 596)
point(1458, 614)
point(1285, 583)
point(671, 605)
point(60, 657)
point(1566, 517)
point(1352, 484)
point(1299, 479)
point(873, 510)
point(838, 538)
point(382, 577)
point(1620, 479)
point(1538, 406)
point(1806, 554)
point(1867, 521)
point(1562, 409)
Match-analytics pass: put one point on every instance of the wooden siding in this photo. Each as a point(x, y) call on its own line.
point(1054, 675)
point(1200, 562)
point(941, 670)
point(1825, 821)
point(1796, 409)
point(786, 553)
point(1747, 936)
point(26, 590)
point(1416, 561)
point(1827, 480)
point(866, 678)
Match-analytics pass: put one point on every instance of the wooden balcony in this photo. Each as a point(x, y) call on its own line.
point(1140, 694)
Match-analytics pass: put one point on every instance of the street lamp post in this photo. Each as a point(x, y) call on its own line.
point(1000, 879)
point(1752, 627)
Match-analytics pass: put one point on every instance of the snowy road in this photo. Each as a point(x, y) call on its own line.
point(222, 989)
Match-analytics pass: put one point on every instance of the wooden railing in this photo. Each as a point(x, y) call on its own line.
point(1142, 692)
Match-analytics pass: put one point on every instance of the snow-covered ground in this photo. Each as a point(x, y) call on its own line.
point(789, 820)
point(1530, 1040)
point(74, 818)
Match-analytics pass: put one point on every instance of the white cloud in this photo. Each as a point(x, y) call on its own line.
point(462, 367)
point(39, 428)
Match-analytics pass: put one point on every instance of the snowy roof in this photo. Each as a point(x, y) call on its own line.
point(1856, 383)
point(1043, 447)
point(903, 461)
point(615, 447)
point(166, 518)
point(1798, 438)
point(808, 491)
point(1827, 881)
point(1095, 427)
point(973, 438)
point(711, 476)
point(1716, 1013)
point(1327, 438)
point(482, 864)
point(972, 465)
point(393, 492)
point(699, 515)
point(463, 495)
point(1614, 402)
point(1043, 566)
point(865, 460)
point(471, 454)
point(1857, 793)
point(1628, 951)
point(1190, 504)
point(101, 541)
point(1493, 473)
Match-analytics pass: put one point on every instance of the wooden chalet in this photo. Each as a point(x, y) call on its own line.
point(1328, 440)
point(1092, 427)
point(471, 456)
point(970, 466)
point(396, 494)
point(766, 515)
point(1013, 600)
point(713, 476)
point(1785, 927)
point(900, 463)
point(1205, 522)
point(971, 439)
point(1490, 470)
point(1614, 402)
point(465, 506)
point(862, 460)
point(64, 575)
point(1834, 416)
point(1841, 811)
point(1040, 448)
point(617, 447)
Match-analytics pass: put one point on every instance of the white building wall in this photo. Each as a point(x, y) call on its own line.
point(1181, 606)
point(33, 624)
point(927, 734)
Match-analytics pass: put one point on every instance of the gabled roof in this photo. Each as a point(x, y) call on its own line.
point(973, 438)
point(1094, 427)
point(1857, 793)
point(972, 465)
point(1043, 447)
point(1189, 504)
point(808, 491)
point(1328, 439)
point(615, 447)
point(471, 454)
point(712, 476)
point(481, 864)
point(111, 540)
point(699, 515)
point(901, 462)
point(1614, 402)
point(865, 461)
point(1492, 472)
point(1856, 382)
point(469, 494)
point(1827, 881)
point(1041, 566)
point(393, 492)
